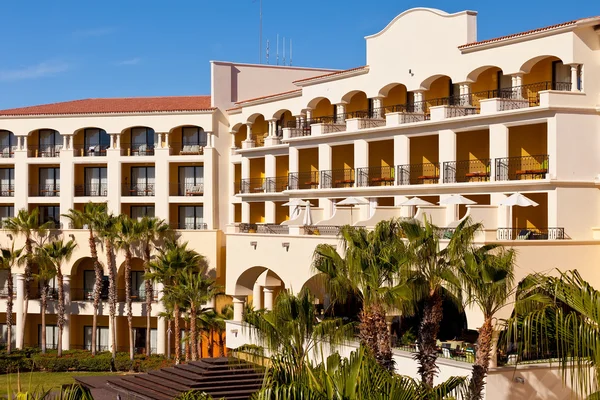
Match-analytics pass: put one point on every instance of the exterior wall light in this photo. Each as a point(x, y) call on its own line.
point(253, 244)
point(286, 245)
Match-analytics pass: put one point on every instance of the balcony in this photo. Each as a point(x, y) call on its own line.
point(530, 234)
point(326, 124)
point(273, 229)
point(138, 149)
point(89, 150)
point(136, 295)
point(192, 225)
point(418, 174)
point(194, 148)
point(467, 171)
point(7, 151)
point(375, 176)
point(337, 178)
point(303, 180)
point(187, 189)
point(92, 189)
point(7, 189)
point(138, 189)
point(522, 168)
point(296, 129)
point(263, 185)
point(43, 190)
point(365, 119)
point(44, 151)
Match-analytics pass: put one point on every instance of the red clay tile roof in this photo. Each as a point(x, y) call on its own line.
point(332, 73)
point(269, 96)
point(117, 105)
point(514, 35)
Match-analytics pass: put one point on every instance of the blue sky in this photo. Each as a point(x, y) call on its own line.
point(68, 49)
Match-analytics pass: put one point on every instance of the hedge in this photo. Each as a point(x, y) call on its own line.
point(77, 360)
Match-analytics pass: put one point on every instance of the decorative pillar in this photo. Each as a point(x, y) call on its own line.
point(268, 298)
point(517, 82)
point(19, 143)
point(257, 296)
point(161, 329)
point(299, 121)
point(249, 132)
point(465, 95)
point(18, 306)
point(308, 115)
point(574, 77)
point(65, 144)
point(160, 139)
point(25, 142)
point(209, 139)
point(118, 140)
point(238, 308)
point(112, 141)
point(232, 133)
point(66, 335)
point(340, 110)
point(167, 140)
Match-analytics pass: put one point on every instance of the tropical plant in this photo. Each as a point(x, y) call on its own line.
point(89, 219)
point(431, 274)
point(560, 315)
point(194, 395)
point(292, 327)
point(127, 235)
point(8, 258)
point(151, 231)
point(487, 277)
point(224, 315)
point(27, 224)
point(368, 270)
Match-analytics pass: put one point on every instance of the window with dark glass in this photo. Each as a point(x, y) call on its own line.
point(101, 338)
point(138, 212)
point(191, 217)
point(7, 181)
point(191, 180)
point(142, 181)
point(96, 181)
point(49, 182)
point(89, 281)
point(96, 141)
point(142, 141)
point(50, 214)
point(8, 144)
point(50, 143)
point(51, 336)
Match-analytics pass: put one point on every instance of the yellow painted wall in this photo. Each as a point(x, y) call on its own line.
point(257, 212)
point(237, 212)
point(287, 117)
point(308, 160)
point(424, 149)
point(282, 165)
point(396, 95)
point(257, 168)
point(31, 330)
point(281, 213)
point(385, 201)
point(381, 153)
point(342, 157)
point(540, 72)
point(532, 217)
point(528, 140)
point(474, 145)
point(438, 88)
point(487, 80)
point(240, 136)
point(78, 322)
point(237, 174)
point(358, 102)
point(78, 139)
point(323, 109)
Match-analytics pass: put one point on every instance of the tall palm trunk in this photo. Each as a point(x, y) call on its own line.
point(43, 306)
point(169, 323)
point(428, 332)
point(221, 344)
point(112, 294)
point(60, 322)
point(149, 295)
point(480, 368)
point(99, 273)
point(29, 251)
point(374, 334)
point(128, 301)
point(211, 343)
point(192, 338)
point(187, 340)
point(9, 308)
point(177, 334)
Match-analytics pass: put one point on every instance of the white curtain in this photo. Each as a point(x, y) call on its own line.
point(96, 181)
point(142, 178)
point(49, 181)
point(153, 340)
point(101, 338)
point(7, 180)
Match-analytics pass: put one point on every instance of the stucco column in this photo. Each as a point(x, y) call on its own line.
point(111, 139)
point(340, 110)
point(401, 155)
point(308, 114)
point(574, 77)
point(18, 307)
point(160, 140)
point(66, 336)
point(209, 140)
point(498, 150)
point(113, 174)
point(21, 188)
point(210, 176)
point(361, 153)
point(232, 133)
point(25, 146)
point(118, 141)
point(447, 151)
point(161, 330)
point(249, 131)
point(167, 140)
point(268, 298)
point(238, 308)
point(257, 296)
point(325, 156)
point(294, 159)
point(517, 82)
point(299, 121)
point(162, 182)
point(245, 212)
point(67, 179)
point(465, 98)
point(270, 212)
point(19, 143)
point(494, 352)
point(270, 166)
point(65, 144)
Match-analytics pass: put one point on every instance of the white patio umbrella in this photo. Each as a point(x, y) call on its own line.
point(416, 201)
point(352, 202)
point(516, 199)
point(456, 199)
point(307, 216)
point(296, 203)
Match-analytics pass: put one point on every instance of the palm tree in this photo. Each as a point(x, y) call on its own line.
point(27, 224)
point(220, 318)
point(88, 218)
point(560, 315)
point(151, 231)
point(431, 272)
point(107, 229)
point(367, 271)
point(172, 260)
point(127, 234)
point(52, 255)
point(46, 272)
point(487, 279)
point(8, 258)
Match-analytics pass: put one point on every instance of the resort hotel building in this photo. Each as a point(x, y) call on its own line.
point(253, 175)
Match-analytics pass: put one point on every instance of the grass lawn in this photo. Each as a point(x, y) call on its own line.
point(47, 380)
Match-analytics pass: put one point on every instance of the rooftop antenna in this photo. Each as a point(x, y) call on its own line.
point(267, 51)
point(277, 49)
point(284, 50)
point(260, 35)
point(290, 52)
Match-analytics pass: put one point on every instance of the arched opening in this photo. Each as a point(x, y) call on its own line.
point(358, 105)
point(488, 82)
point(91, 142)
point(239, 134)
point(322, 109)
point(545, 73)
point(394, 94)
point(347, 310)
point(83, 280)
point(285, 119)
point(261, 285)
point(44, 143)
point(186, 140)
point(8, 144)
point(260, 129)
point(138, 141)
point(137, 282)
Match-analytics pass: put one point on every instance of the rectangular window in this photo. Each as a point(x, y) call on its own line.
point(49, 183)
point(96, 181)
point(50, 143)
point(142, 141)
point(192, 135)
point(138, 284)
point(4, 335)
point(7, 182)
point(191, 181)
point(101, 338)
point(191, 217)
point(89, 281)
point(8, 144)
point(139, 340)
point(142, 181)
point(50, 214)
point(96, 141)
point(138, 212)
point(51, 336)
point(6, 212)
point(561, 76)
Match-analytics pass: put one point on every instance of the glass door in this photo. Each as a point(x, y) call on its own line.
point(101, 338)
point(8, 144)
point(49, 183)
point(191, 181)
point(51, 336)
point(138, 212)
point(142, 141)
point(96, 141)
point(96, 181)
point(7, 182)
point(50, 143)
point(191, 217)
point(142, 181)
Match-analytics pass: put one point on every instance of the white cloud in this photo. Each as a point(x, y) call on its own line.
point(41, 70)
point(131, 61)
point(95, 32)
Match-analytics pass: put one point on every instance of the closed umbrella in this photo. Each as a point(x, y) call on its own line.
point(296, 203)
point(307, 216)
point(352, 202)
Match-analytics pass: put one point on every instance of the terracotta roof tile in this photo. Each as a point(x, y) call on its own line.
point(514, 35)
point(269, 96)
point(331, 74)
point(116, 105)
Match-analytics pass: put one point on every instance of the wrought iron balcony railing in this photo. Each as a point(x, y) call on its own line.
point(49, 190)
point(192, 225)
point(138, 149)
point(376, 176)
point(7, 151)
point(273, 229)
point(44, 150)
point(522, 168)
point(416, 174)
point(138, 189)
point(303, 180)
point(92, 189)
point(324, 230)
point(530, 234)
point(188, 148)
point(298, 128)
point(337, 178)
point(187, 189)
point(90, 150)
point(7, 189)
point(467, 171)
